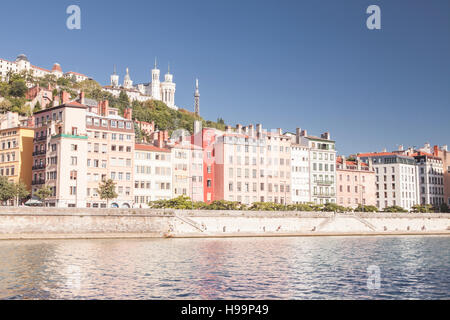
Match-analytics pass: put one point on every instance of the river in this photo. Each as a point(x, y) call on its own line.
point(410, 267)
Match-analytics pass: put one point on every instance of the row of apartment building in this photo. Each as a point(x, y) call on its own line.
point(73, 147)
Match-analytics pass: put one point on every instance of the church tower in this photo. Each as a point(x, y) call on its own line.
point(197, 99)
point(156, 85)
point(127, 83)
point(114, 79)
point(168, 90)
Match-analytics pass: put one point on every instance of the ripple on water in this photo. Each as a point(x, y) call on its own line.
point(244, 268)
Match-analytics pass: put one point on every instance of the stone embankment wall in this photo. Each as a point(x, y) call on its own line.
point(29, 223)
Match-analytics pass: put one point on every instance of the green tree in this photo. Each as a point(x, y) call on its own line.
point(362, 208)
point(21, 192)
point(44, 193)
point(5, 105)
point(18, 88)
point(7, 191)
point(394, 209)
point(37, 107)
point(107, 190)
point(444, 207)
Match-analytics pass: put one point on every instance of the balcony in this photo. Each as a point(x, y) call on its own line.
point(323, 194)
point(41, 138)
point(39, 167)
point(324, 182)
point(36, 182)
point(39, 153)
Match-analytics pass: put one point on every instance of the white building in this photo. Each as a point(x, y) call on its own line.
point(431, 179)
point(322, 166)
point(162, 91)
point(153, 174)
point(396, 179)
point(22, 64)
point(300, 176)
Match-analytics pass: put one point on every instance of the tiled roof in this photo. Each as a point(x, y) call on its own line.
point(149, 147)
point(36, 67)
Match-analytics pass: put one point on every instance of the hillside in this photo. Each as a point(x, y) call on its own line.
point(165, 118)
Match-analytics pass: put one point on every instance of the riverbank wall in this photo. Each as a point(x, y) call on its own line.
point(76, 223)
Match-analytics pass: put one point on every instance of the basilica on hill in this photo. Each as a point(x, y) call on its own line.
point(157, 90)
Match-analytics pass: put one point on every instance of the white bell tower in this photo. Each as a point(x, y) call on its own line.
point(156, 85)
point(114, 79)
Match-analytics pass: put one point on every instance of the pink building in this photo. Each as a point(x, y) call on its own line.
point(355, 183)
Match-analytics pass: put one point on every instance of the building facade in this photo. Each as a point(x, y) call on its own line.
point(110, 155)
point(16, 148)
point(355, 183)
point(153, 174)
point(431, 179)
point(322, 166)
point(396, 179)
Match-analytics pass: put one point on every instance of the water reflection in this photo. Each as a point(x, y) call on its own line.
point(245, 268)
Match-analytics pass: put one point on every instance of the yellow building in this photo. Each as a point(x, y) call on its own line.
point(16, 159)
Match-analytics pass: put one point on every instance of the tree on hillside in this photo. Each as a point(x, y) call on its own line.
point(18, 88)
point(37, 107)
point(107, 190)
point(123, 101)
point(44, 193)
point(5, 105)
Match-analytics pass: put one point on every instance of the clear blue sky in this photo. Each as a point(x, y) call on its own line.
point(311, 64)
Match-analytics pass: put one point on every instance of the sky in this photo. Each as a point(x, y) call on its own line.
point(286, 64)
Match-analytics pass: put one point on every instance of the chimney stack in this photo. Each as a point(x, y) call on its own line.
point(344, 162)
point(444, 148)
point(358, 163)
point(82, 97)
point(259, 128)
point(128, 113)
point(239, 128)
point(436, 151)
point(197, 126)
point(251, 130)
point(304, 133)
point(65, 97)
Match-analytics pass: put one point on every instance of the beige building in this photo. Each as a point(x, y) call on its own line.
point(153, 174)
point(110, 155)
point(59, 154)
point(16, 147)
point(252, 165)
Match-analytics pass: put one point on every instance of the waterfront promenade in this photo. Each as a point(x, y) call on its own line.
point(79, 223)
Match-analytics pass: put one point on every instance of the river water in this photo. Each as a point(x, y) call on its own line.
point(410, 267)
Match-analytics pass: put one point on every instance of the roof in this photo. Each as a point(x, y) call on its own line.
point(317, 138)
point(36, 67)
point(110, 116)
point(351, 163)
point(76, 73)
point(73, 104)
point(90, 102)
point(56, 67)
point(149, 147)
point(380, 154)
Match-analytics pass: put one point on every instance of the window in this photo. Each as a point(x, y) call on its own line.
point(73, 161)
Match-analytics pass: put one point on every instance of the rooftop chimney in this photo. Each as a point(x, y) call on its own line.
point(326, 135)
point(444, 147)
point(65, 97)
point(197, 126)
point(127, 113)
point(344, 162)
point(304, 133)
point(251, 130)
point(82, 97)
point(239, 128)
point(279, 131)
point(436, 151)
point(259, 128)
